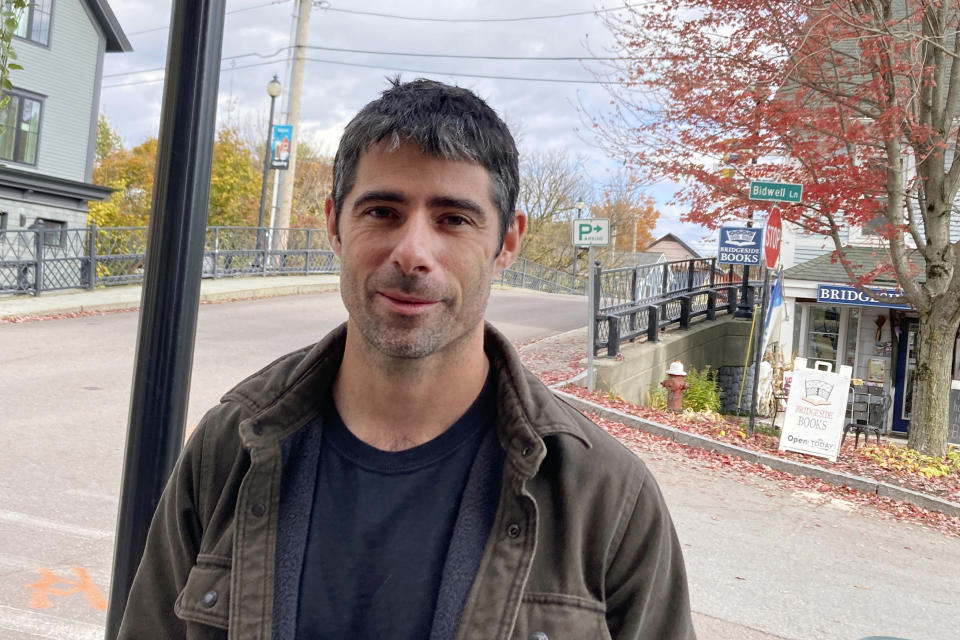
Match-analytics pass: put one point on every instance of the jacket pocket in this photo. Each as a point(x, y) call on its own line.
point(554, 616)
point(205, 598)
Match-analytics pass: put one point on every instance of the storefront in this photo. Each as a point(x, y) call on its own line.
point(829, 322)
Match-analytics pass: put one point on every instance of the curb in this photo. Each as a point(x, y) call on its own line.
point(836, 478)
point(133, 303)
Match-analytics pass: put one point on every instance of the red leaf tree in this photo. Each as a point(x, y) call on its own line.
point(858, 101)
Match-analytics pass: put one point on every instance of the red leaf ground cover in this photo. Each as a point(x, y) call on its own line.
point(733, 431)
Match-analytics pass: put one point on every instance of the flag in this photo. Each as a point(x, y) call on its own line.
point(771, 324)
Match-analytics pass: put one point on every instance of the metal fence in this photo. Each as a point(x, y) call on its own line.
point(39, 259)
point(533, 275)
point(633, 302)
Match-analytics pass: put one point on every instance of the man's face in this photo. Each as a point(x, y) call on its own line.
point(418, 243)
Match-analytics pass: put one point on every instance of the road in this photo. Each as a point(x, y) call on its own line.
point(64, 397)
point(764, 562)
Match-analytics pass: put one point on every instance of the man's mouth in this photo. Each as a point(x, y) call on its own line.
point(406, 303)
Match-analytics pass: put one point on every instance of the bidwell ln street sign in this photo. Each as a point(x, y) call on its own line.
point(591, 232)
point(776, 191)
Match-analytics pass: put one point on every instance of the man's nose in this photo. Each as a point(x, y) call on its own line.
point(415, 239)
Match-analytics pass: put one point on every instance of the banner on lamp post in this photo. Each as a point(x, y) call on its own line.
point(280, 146)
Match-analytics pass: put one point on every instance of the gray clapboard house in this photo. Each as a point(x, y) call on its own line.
point(50, 124)
point(48, 129)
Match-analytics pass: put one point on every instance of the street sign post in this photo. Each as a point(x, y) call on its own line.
point(772, 235)
point(776, 191)
point(591, 232)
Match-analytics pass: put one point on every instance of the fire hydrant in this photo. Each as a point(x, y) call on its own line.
point(675, 385)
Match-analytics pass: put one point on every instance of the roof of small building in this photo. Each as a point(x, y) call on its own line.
point(669, 237)
point(828, 269)
point(649, 257)
point(103, 15)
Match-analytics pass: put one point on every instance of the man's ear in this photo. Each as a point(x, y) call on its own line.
point(512, 240)
point(332, 234)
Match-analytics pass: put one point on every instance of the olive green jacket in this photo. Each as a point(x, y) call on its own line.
point(580, 546)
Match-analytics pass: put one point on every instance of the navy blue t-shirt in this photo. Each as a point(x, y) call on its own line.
point(380, 528)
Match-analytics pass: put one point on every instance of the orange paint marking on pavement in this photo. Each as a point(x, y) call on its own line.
point(45, 587)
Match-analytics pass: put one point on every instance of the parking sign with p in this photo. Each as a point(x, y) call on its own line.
point(591, 232)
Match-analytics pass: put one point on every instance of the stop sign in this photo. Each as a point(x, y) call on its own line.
point(772, 234)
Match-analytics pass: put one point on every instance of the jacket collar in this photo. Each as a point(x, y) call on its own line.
point(288, 393)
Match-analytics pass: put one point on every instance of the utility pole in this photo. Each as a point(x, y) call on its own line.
point(296, 85)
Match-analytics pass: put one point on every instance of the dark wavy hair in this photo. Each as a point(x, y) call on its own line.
point(445, 122)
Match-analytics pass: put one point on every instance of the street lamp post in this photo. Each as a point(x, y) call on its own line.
point(573, 277)
point(273, 90)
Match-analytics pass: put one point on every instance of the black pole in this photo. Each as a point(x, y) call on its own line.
point(745, 304)
point(266, 171)
point(171, 285)
point(758, 348)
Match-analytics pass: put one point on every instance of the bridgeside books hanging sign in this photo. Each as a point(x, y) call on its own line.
point(816, 408)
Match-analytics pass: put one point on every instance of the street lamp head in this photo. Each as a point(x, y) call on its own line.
point(580, 205)
point(273, 87)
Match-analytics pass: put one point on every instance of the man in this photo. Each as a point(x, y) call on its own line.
point(406, 478)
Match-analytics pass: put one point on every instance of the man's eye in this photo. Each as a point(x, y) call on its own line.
point(379, 212)
point(456, 220)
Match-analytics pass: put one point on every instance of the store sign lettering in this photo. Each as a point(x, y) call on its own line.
point(816, 407)
point(839, 294)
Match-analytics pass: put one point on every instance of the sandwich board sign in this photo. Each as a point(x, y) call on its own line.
point(591, 232)
point(816, 409)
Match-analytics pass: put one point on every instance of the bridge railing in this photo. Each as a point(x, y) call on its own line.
point(635, 302)
point(42, 259)
point(49, 259)
point(533, 275)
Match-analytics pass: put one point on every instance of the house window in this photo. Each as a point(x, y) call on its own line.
point(52, 230)
point(20, 128)
point(823, 334)
point(34, 22)
point(3, 220)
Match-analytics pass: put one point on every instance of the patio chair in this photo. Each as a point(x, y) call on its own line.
point(866, 412)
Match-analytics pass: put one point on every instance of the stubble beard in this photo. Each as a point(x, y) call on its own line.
point(411, 337)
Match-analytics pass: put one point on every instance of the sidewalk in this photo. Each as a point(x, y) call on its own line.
point(127, 297)
point(556, 360)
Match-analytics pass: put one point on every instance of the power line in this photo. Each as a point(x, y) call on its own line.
point(386, 68)
point(224, 59)
point(154, 80)
point(241, 10)
point(462, 56)
point(399, 53)
point(457, 73)
point(325, 7)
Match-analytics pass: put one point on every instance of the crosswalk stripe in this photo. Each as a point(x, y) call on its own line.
point(44, 625)
point(34, 522)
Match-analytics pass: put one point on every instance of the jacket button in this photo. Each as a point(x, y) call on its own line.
point(258, 510)
point(527, 450)
point(513, 530)
point(538, 635)
point(210, 598)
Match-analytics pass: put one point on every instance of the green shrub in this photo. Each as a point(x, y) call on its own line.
point(658, 398)
point(703, 394)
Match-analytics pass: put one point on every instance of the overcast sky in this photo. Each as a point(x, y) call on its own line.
point(543, 114)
